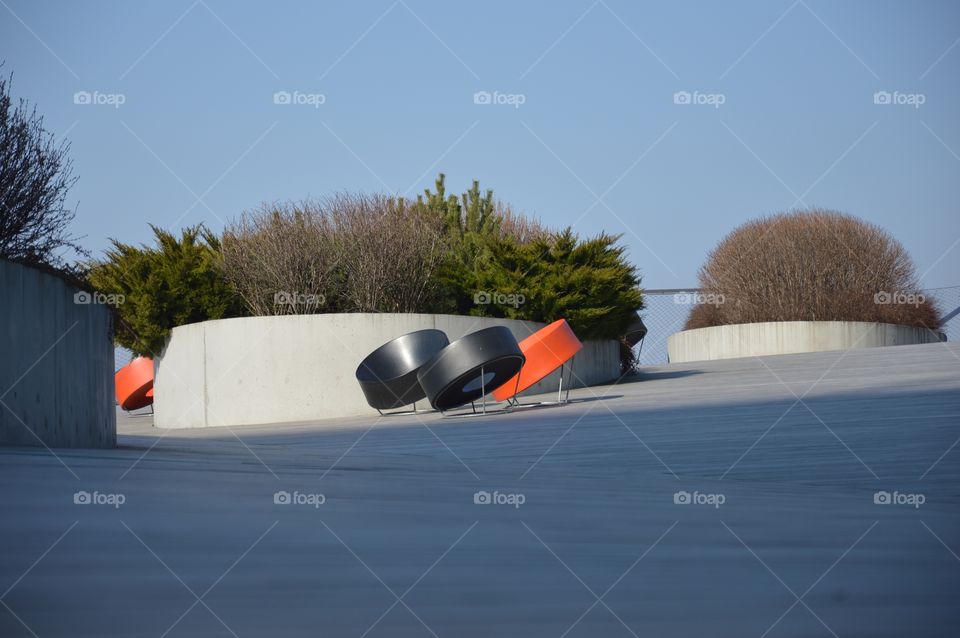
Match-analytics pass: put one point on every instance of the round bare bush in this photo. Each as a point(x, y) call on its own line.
point(813, 265)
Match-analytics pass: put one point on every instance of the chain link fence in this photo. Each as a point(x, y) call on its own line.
point(667, 310)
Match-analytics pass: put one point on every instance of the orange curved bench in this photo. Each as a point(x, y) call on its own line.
point(133, 384)
point(546, 350)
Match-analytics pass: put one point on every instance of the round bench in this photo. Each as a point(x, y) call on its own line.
point(471, 367)
point(388, 375)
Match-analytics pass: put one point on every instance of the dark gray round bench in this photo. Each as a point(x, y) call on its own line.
point(471, 367)
point(388, 375)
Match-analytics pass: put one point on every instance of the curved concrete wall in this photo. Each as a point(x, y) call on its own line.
point(261, 370)
point(789, 337)
point(56, 363)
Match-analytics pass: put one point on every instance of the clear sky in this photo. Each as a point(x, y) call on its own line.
point(180, 121)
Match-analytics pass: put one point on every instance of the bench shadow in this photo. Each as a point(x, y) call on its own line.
point(655, 376)
point(532, 403)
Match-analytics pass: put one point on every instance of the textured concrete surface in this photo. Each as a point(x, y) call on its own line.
point(259, 370)
point(795, 447)
point(56, 362)
point(789, 337)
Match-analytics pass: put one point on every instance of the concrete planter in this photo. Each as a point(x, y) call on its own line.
point(56, 363)
point(262, 370)
point(789, 337)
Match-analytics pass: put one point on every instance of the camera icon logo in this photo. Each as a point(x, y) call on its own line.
point(881, 498)
point(682, 97)
point(81, 498)
point(482, 498)
point(882, 97)
point(482, 97)
point(82, 97)
point(681, 498)
point(82, 298)
point(282, 97)
point(483, 298)
point(882, 297)
point(281, 498)
point(283, 298)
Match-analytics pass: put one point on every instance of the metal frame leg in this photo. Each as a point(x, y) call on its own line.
point(511, 402)
point(401, 412)
point(566, 398)
point(483, 389)
point(560, 388)
point(563, 390)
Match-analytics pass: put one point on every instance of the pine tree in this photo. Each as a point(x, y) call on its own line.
point(177, 282)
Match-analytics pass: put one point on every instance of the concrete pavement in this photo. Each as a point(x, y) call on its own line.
point(776, 464)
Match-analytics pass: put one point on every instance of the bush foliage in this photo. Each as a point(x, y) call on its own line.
point(441, 253)
point(588, 282)
point(814, 265)
point(502, 264)
point(277, 249)
point(178, 281)
point(346, 253)
point(467, 255)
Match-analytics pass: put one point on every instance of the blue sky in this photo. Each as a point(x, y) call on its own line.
point(583, 127)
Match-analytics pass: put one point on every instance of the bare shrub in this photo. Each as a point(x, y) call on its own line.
point(389, 252)
point(346, 253)
point(280, 259)
point(36, 174)
point(519, 227)
point(814, 265)
point(703, 316)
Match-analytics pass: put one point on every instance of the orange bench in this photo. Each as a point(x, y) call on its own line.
point(133, 384)
point(546, 350)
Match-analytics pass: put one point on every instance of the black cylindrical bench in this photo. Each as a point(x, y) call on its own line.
point(388, 375)
point(471, 367)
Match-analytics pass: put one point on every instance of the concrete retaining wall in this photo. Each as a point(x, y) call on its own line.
point(56, 363)
point(261, 370)
point(788, 337)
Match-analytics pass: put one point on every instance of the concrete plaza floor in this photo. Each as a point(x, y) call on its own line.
point(731, 498)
